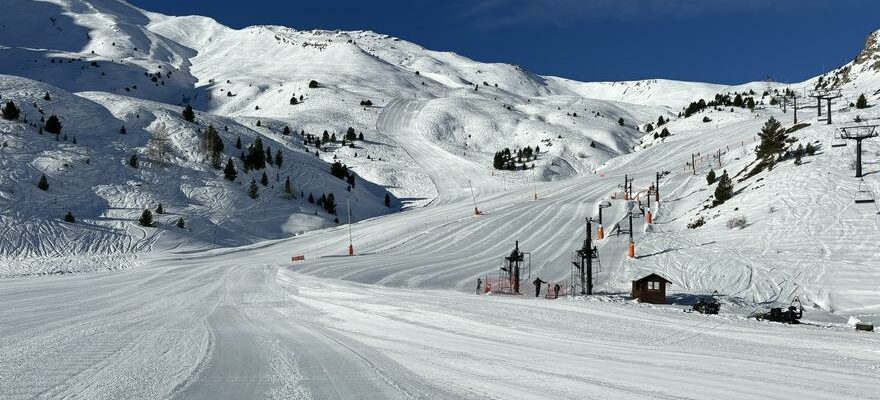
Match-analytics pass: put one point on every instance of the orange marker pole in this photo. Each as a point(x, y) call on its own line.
point(600, 233)
point(649, 218)
point(632, 250)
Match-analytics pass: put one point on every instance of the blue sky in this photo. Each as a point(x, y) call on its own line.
point(723, 41)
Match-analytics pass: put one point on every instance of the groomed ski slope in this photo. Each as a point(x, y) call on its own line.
point(399, 320)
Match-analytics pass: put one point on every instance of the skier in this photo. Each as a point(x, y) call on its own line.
point(538, 282)
point(556, 291)
point(479, 284)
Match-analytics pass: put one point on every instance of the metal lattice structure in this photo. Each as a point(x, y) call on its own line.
point(858, 133)
point(825, 94)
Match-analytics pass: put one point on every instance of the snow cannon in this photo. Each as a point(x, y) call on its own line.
point(704, 306)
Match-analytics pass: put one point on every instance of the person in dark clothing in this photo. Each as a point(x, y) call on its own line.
point(479, 285)
point(538, 282)
point(556, 291)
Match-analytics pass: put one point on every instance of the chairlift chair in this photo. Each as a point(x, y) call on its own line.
point(863, 195)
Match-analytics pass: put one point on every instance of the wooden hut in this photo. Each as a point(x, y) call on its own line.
point(650, 289)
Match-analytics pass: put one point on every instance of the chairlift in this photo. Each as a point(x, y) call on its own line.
point(863, 195)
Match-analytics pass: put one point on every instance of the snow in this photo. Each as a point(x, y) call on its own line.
point(219, 310)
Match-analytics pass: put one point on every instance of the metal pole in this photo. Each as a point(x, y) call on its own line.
point(819, 105)
point(583, 256)
point(795, 110)
point(858, 158)
point(630, 226)
point(694, 163)
point(657, 187)
point(476, 210)
point(829, 111)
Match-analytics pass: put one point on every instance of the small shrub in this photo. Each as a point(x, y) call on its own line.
point(739, 222)
point(697, 223)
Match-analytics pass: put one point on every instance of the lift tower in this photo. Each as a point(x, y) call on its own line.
point(858, 133)
point(825, 94)
point(582, 262)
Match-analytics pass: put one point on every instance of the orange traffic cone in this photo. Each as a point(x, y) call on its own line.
point(600, 233)
point(632, 250)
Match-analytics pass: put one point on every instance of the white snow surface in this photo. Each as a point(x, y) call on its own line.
point(219, 310)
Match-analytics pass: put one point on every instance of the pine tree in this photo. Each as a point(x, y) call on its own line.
point(69, 217)
point(810, 149)
point(311, 199)
point(47, 97)
point(188, 114)
point(123, 130)
point(710, 177)
point(351, 180)
point(159, 209)
point(53, 125)
point(286, 130)
point(325, 137)
point(287, 187)
point(660, 121)
point(361, 136)
point(293, 101)
point(253, 190)
point(798, 154)
point(772, 141)
point(259, 123)
point(750, 103)
point(229, 172)
point(264, 180)
point(350, 134)
point(862, 102)
point(620, 121)
point(43, 184)
point(238, 143)
point(387, 200)
point(146, 218)
point(256, 157)
point(278, 159)
point(738, 101)
point(133, 161)
point(333, 138)
point(181, 223)
point(330, 204)
point(313, 84)
point(10, 111)
point(724, 190)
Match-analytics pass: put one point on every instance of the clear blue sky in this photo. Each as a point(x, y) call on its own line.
point(723, 41)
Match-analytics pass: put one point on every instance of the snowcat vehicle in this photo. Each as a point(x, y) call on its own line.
point(791, 315)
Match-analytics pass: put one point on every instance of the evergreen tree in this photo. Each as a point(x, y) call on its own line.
point(287, 188)
point(181, 223)
point(350, 134)
point(333, 138)
point(133, 161)
point(256, 157)
point(772, 141)
point(238, 143)
point(313, 84)
point(738, 101)
point(330, 204)
point(660, 121)
point(710, 177)
point(43, 184)
point(229, 172)
point(123, 130)
point(159, 209)
point(498, 161)
point(253, 190)
point(387, 200)
point(325, 137)
point(810, 149)
point(47, 97)
point(293, 101)
point(351, 180)
point(361, 136)
point(269, 156)
point(10, 111)
point(259, 123)
point(146, 218)
point(53, 125)
point(286, 130)
point(188, 114)
point(620, 121)
point(264, 180)
point(862, 102)
point(278, 159)
point(750, 103)
point(69, 217)
point(724, 190)
point(311, 199)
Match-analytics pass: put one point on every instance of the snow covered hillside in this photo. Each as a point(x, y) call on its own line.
point(106, 64)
